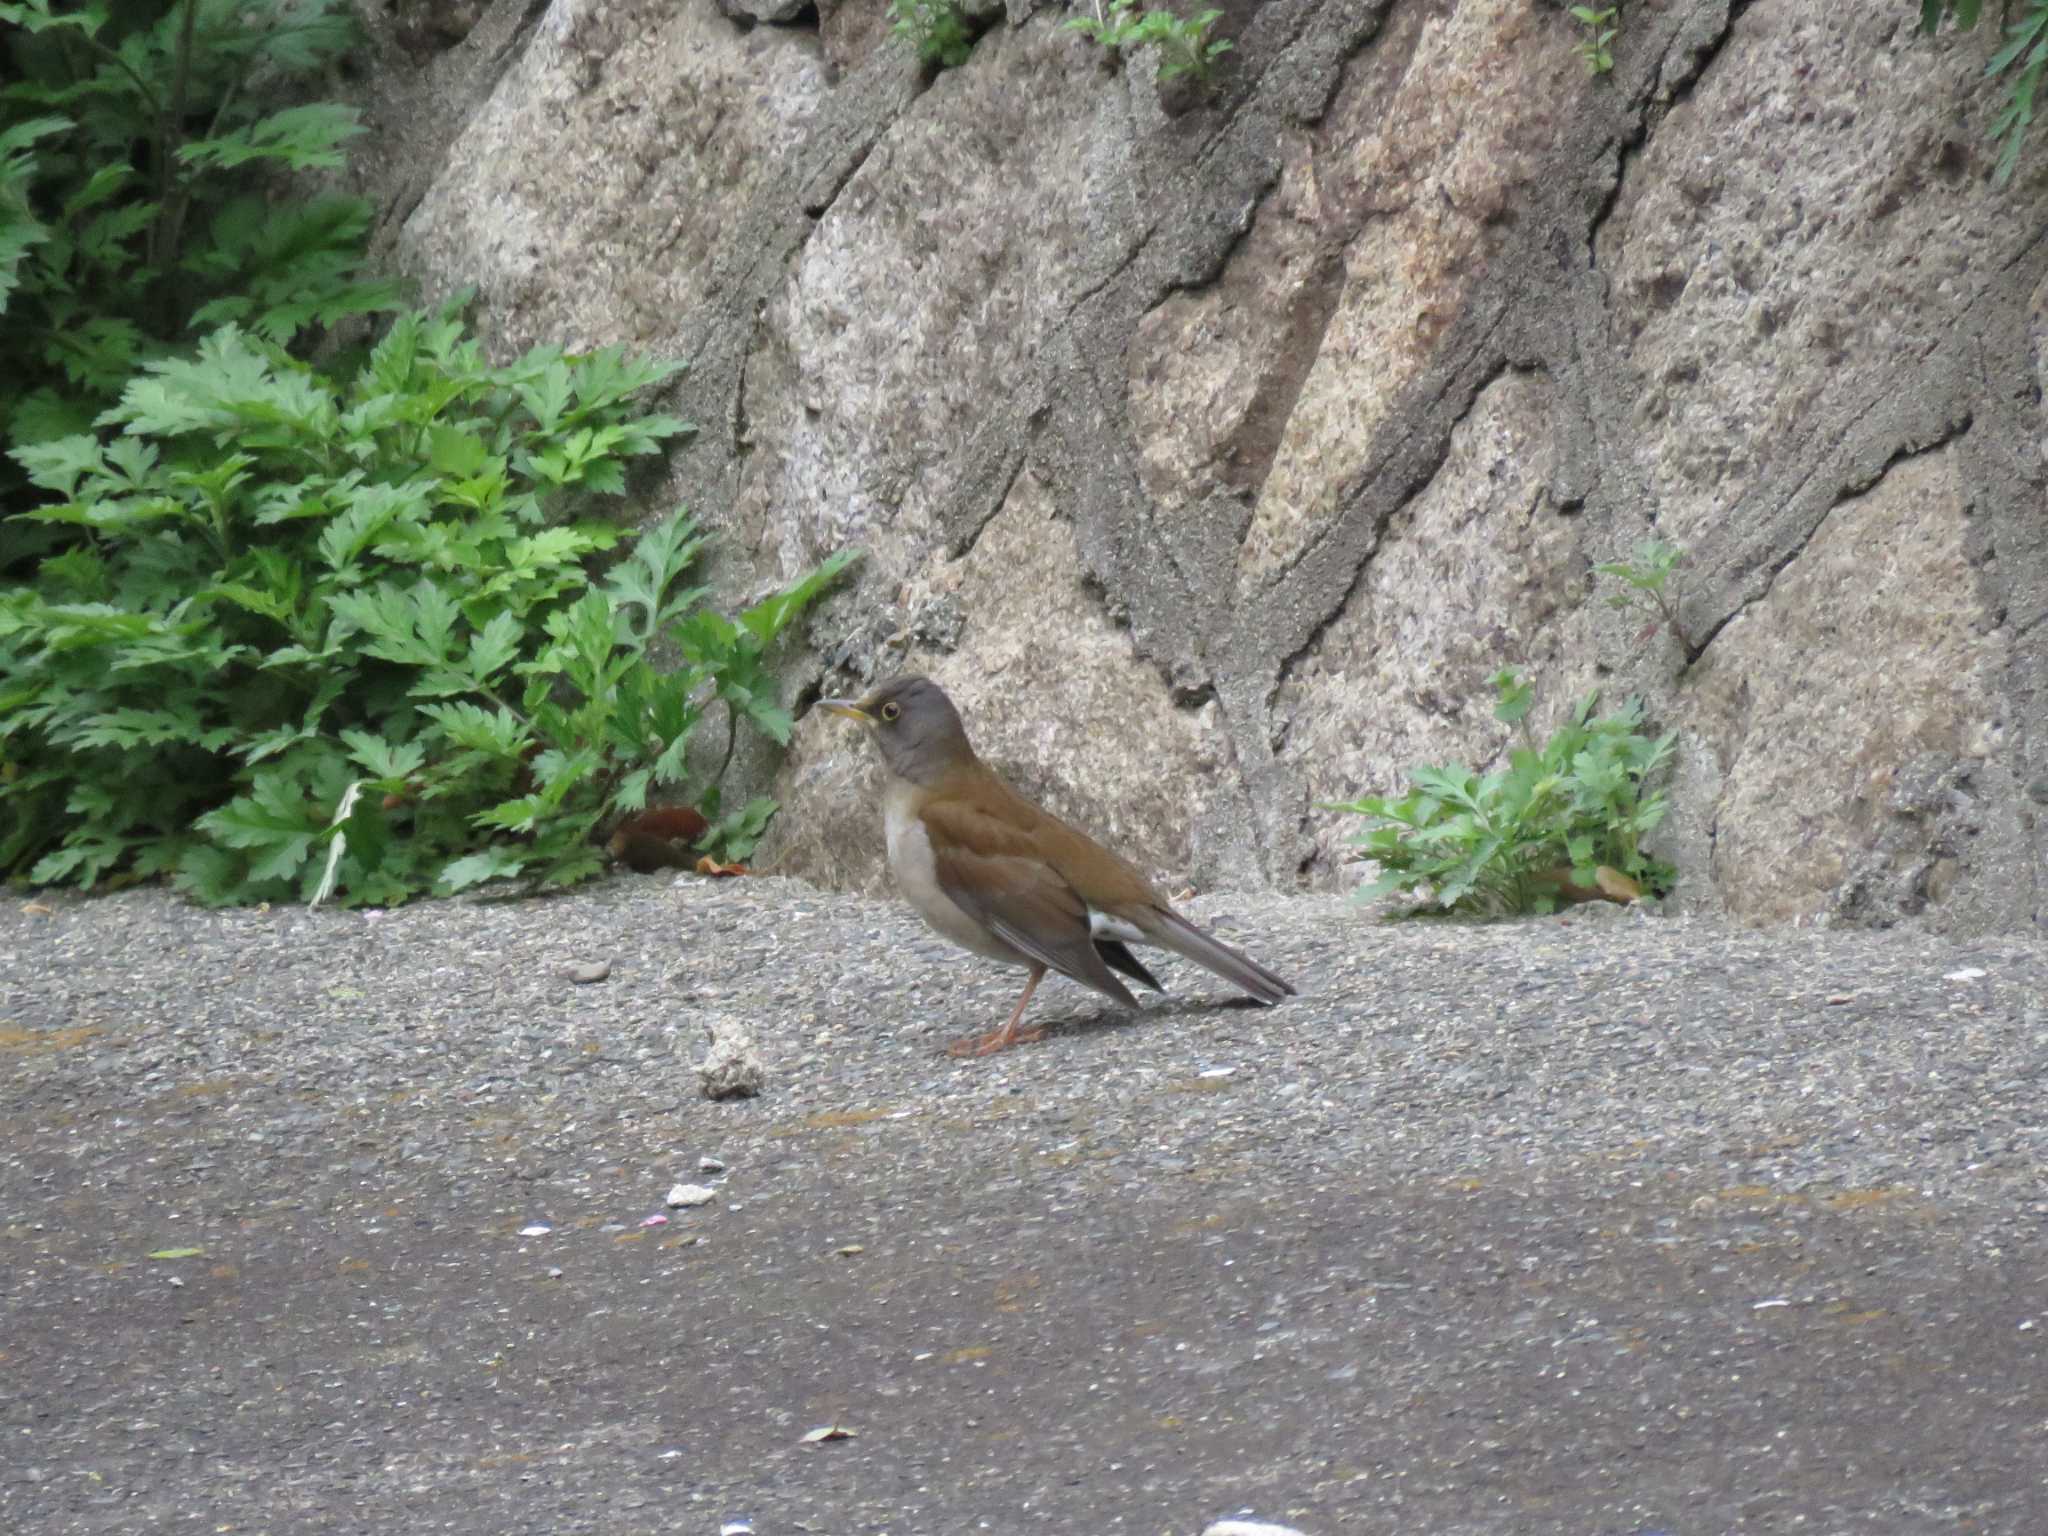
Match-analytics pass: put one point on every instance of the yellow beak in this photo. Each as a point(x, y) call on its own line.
point(849, 708)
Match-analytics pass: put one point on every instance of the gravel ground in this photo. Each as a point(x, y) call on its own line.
point(1600, 1224)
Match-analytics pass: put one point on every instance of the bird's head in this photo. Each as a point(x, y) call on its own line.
point(913, 723)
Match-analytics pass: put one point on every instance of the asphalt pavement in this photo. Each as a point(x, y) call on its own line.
point(1606, 1224)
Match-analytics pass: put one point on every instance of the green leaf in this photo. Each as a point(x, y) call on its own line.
point(62, 463)
point(85, 857)
point(370, 510)
point(1513, 696)
point(303, 138)
point(20, 135)
point(732, 838)
point(272, 822)
point(768, 618)
point(494, 732)
point(546, 394)
point(494, 647)
point(382, 759)
point(132, 727)
point(494, 863)
point(453, 451)
point(772, 718)
point(518, 815)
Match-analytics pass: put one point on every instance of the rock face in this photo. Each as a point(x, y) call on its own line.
point(1214, 446)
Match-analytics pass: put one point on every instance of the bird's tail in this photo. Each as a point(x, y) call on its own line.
point(1172, 931)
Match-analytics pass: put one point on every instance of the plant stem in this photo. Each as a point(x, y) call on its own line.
point(732, 736)
point(1670, 612)
point(170, 215)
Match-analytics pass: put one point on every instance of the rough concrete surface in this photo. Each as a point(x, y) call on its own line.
point(1245, 349)
point(1605, 1224)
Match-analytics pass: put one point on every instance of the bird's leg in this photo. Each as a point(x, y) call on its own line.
point(1009, 1034)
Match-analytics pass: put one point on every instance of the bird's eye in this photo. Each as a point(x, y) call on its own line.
point(891, 710)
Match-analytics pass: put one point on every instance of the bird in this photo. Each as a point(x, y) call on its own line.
point(1006, 879)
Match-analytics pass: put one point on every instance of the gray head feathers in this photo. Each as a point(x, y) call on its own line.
point(916, 727)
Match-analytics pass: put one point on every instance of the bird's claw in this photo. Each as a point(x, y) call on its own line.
point(995, 1040)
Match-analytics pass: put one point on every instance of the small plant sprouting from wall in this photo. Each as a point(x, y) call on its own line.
point(1649, 586)
point(1598, 30)
point(1185, 47)
point(2024, 58)
point(935, 28)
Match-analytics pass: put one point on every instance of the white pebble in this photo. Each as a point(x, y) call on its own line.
point(690, 1194)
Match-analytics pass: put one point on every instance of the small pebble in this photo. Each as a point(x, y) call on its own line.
point(732, 1068)
point(1249, 1528)
point(690, 1194)
point(710, 1165)
point(583, 972)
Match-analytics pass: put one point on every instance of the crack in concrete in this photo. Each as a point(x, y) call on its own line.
point(1249, 452)
point(1357, 39)
point(985, 484)
point(1648, 112)
point(1851, 484)
point(1955, 419)
point(762, 253)
point(1502, 368)
point(1424, 398)
point(514, 42)
point(1702, 45)
point(1251, 135)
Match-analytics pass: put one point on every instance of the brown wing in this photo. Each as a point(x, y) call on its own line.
point(1006, 884)
point(1102, 879)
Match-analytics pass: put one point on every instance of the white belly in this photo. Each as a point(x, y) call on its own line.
point(910, 861)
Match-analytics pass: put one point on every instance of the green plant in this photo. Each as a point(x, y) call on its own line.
point(1185, 47)
point(1562, 819)
point(935, 28)
point(142, 151)
point(345, 633)
point(1648, 585)
point(2026, 46)
point(733, 835)
point(1598, 30)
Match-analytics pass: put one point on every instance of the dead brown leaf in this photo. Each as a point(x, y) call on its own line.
point(659, 837)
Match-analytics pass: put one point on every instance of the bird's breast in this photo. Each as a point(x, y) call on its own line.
point(917, 877)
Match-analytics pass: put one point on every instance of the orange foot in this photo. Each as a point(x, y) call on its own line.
point(995, 1040)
